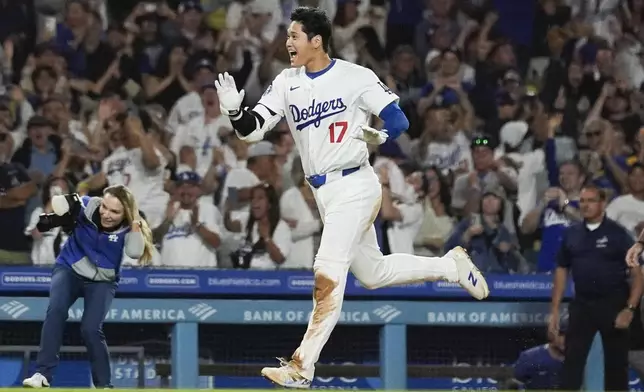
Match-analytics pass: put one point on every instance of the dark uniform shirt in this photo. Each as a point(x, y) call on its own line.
point(596, 259)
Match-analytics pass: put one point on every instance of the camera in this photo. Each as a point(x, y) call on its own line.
point(68, 209)
point(47, 222)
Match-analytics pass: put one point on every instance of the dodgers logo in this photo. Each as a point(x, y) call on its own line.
point(316, 112)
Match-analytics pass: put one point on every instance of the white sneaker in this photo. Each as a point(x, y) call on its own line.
point(469, 277)
point(36, 381)
point(286, 376)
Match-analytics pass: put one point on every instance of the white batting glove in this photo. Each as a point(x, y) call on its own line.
point(230, 99)
point(370, 135)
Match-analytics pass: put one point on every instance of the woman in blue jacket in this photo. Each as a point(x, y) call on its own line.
point(101, 229)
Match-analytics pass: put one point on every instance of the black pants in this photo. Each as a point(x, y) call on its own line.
point(66, 288)
point(587, 317)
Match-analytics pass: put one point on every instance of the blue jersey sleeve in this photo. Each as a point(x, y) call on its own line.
point(395, 121)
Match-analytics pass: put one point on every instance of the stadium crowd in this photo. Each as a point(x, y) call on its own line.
point(512, 107)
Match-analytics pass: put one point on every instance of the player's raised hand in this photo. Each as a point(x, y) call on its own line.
point(230, 99)
point(370, 135)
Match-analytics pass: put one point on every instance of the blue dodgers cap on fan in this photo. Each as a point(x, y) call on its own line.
point(189, 5)
point(188, 177)
point(391, 149)
point(203, 64)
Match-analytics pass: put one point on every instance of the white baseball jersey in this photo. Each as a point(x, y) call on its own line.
point(187, 107)
point(324, 109)
point(202, 138)
point(125, 167)
point(183, 247)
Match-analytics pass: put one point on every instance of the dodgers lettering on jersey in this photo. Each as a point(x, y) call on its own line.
point(323, 111)
point(315, 113)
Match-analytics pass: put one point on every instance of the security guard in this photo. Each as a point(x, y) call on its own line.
point(594, 251)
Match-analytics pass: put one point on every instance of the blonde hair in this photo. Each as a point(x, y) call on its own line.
point(131, 214)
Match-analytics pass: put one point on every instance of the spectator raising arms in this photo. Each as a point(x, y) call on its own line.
point(134, 162)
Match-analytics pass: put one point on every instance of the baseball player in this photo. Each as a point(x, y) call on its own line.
point(327, 104)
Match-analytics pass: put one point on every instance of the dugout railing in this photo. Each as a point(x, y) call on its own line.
point(184, 316)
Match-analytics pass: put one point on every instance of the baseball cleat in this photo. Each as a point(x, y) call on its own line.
point(36, 381)
point(286, 376)
point(469, 277)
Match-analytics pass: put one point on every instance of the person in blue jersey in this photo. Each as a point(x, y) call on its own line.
point(558, 209)
point(539, 368)
point(101, 230)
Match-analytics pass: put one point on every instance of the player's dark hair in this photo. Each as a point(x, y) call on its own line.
point(314, 22)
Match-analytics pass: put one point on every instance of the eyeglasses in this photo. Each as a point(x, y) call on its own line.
point(481, 142)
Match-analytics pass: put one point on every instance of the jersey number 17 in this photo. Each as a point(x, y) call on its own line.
point(337, 131)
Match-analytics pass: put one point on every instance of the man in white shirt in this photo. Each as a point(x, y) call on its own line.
point(402, 214)
point(260, 167)
point(195, 142)
point(190, 106)
point(628, 210)
point(390, 155)
point(190, 230)
point(529, 166)
point(137, 164)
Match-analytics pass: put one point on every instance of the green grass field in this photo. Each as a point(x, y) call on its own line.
point(161, 390)
point(169, 390)
point(180, 390)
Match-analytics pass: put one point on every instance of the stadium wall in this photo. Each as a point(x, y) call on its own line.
point(393, 318)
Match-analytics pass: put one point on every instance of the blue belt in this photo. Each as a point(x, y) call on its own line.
point(317, 180)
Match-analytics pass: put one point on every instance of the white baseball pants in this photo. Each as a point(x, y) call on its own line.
point(349, 206)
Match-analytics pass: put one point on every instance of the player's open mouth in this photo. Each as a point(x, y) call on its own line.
point(292, 54)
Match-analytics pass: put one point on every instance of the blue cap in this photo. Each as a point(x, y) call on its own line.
point(189, 5)
point(188, 177)
point(203, 64)
point(391, 149)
